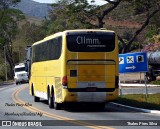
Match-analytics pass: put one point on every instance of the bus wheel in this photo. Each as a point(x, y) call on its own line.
point(57, 106)
point(50, 100)
point(36, 99)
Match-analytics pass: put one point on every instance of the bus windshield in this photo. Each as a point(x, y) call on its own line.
point(91, 41)
point(20, 69)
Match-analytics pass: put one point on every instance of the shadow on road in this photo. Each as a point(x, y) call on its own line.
point(84, 107)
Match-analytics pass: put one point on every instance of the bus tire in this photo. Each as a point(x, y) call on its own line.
point(50, 100)
point(57, 106)
point(150, 76)
point(36, 99)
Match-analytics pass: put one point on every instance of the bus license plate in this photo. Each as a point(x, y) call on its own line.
point(91, 89)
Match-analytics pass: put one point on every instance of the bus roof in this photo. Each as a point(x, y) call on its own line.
point(83, 30)
point(66, 31)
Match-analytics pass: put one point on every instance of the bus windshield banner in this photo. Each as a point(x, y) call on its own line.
point(91, 42)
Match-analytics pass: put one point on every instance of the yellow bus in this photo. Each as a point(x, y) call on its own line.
point(75, 66)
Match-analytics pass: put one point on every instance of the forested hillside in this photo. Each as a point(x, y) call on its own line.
point(33, 9)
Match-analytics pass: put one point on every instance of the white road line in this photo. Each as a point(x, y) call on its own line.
point(139, 109)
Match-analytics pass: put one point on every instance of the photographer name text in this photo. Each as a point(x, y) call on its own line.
point(18, 104)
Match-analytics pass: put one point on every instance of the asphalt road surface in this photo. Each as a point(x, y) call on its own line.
point(17, 108)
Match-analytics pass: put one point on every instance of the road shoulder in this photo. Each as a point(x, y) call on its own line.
point(138, 109)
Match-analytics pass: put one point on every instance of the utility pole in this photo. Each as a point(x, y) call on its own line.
point(5, 62)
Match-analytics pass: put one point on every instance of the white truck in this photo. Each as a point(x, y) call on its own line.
point(20, 73)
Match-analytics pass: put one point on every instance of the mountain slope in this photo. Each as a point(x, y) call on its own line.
point(33, 9)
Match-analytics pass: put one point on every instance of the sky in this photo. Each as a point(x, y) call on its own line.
point(98, 2)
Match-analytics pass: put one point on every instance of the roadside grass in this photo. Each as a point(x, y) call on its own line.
point(139, 100)
point(2, 82)
point(157, 82)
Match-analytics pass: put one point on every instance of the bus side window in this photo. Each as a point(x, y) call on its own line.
point(54, 48)
point(43, 52)
point(58, 46)
point(50, 49)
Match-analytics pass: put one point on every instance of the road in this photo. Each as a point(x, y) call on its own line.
point(17, 104)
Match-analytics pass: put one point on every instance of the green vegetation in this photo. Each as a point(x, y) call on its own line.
point(73, 14)
point(16, 33)
point(139, 101)
point(157, 82)
point(8, 25)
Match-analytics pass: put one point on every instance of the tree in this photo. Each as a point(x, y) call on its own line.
point(91, 14)
point(32, 32)
point(60, 19)
point(73, 14)
point(152, 44)
point(8, 16)
point(149, 8)
point(80, 12)
point(8, 26)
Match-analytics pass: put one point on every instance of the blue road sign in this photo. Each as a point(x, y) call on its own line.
point(133, 62)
